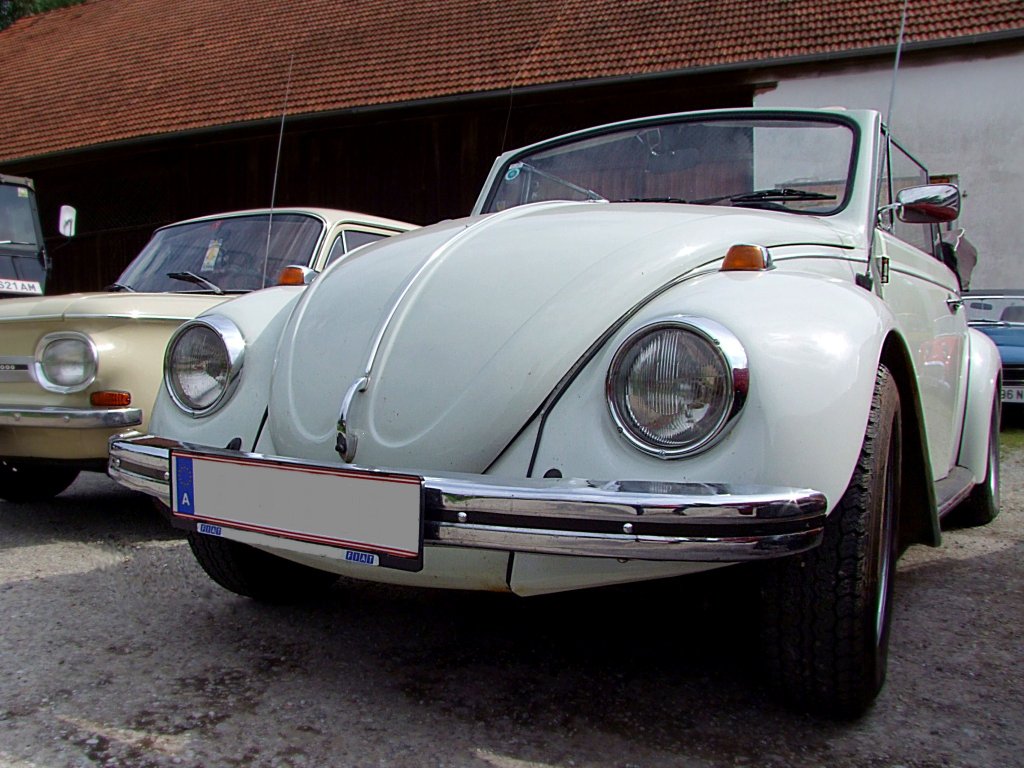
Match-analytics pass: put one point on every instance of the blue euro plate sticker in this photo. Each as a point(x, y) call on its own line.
point(184, 486)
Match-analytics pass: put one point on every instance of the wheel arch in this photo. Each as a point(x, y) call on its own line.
point(919, 519)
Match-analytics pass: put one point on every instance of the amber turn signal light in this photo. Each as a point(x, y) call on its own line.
point(109, 399)
point(746, 258)
point(294, 275)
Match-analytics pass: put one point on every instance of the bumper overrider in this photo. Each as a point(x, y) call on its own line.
point(644, 520)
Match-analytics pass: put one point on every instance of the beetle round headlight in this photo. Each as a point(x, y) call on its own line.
point(675, 386)
point(65, 362)
point(202, 364)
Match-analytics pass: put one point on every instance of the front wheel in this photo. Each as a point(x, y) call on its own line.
point(23, 483)
point(254, 573)
point(826, 613)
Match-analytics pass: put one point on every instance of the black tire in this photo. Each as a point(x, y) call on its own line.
point(981, 507)
point(22, 483)
point(826, 612)
point(254, 573)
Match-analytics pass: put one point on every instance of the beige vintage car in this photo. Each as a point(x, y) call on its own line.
point(78, 368)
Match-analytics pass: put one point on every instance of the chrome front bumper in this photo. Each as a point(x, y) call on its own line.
point(69, 418)
point(640, 520)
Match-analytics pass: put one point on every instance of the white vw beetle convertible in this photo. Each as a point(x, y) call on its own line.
point(656, 347)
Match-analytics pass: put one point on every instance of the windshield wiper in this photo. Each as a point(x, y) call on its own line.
point(591, 194)
point(768, 196)
point(14, 242)
point(192, 277)
point(119, 287)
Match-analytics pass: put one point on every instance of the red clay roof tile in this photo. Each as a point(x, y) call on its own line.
point(109, 70)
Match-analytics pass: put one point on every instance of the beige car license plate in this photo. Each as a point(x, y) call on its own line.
point(369, 517)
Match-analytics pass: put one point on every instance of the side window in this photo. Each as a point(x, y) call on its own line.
point(337, 248)
point(905, 171)
point(355, 239)
point(349, 240)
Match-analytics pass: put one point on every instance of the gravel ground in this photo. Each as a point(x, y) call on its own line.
point(116, 650)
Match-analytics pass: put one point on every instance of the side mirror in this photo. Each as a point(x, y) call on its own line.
point(929, 204)
point(68, 219)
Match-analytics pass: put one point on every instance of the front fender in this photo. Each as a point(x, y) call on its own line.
point(983, 376)
point(260, 316)
point(813, 346)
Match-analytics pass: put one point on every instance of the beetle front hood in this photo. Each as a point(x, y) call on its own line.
point(464, 328)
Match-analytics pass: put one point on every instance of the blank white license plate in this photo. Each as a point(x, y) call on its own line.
point(1013, 394)
point(375, 513)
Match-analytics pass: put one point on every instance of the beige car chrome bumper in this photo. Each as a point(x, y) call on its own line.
point(69, 418)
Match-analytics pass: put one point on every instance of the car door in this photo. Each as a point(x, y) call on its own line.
point(924, 295)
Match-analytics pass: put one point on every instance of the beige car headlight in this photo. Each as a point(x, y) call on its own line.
point(65, 362)
point(202, 364)
point(675, 386)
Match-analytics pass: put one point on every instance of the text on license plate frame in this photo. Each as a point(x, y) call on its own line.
point(350, 510)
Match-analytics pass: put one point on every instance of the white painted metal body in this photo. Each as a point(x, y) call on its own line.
point(463, 330)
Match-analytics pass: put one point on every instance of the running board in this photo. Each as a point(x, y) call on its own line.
point(952, 489)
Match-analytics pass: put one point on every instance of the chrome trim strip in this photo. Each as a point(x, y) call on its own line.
point(622, 546)
point(362, 382)
point(105, 316)
point(28, 318)
point(592, 351)
point(16, 369)
point(621, 519)
point(440, 251)
point(69, 418)
point(127, 316)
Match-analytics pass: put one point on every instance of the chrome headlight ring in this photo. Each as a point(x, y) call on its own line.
point(202, 364)
point(65, 362)
point(676, 385)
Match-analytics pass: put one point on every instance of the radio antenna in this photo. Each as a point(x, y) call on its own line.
point(867, 279)
point(519, 71)
point(277, 165)
point(896, 64)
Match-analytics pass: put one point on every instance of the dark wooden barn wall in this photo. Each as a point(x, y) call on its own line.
point(416, 164)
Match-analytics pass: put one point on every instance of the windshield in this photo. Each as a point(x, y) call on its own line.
point(994, 308)
point(17, 220)
point(779, 163)
point(226, 254)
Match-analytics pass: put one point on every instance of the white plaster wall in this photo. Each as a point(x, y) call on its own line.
point(962, 116)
